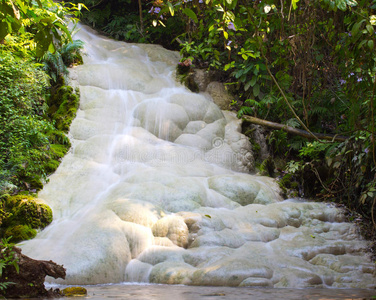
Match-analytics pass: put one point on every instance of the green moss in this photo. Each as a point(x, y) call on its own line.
point(51, 165)
point(58, 137)
point(59, 150)
point(23, 215)
point(255, 147)
point(63, 105)
point(32, 182)
point(20, 233)
point(74, 291)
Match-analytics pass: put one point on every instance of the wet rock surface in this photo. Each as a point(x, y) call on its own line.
point(160, 191)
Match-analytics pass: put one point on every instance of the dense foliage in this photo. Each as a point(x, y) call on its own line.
point(7, 259)
point(36, 48)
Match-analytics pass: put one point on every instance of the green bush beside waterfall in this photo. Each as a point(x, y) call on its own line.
point(36, 108)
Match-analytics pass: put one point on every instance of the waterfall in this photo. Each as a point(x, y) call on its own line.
point(156, 188)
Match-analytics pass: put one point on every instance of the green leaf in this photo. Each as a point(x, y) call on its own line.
point(356, 27)
point(253, 81)
point(351, 3)
point(294, 6)
point(256, 90)
point(247, 85)
point(361, 44)
point(341, 4)
point(190, 13)
point(370, 44)
point(370, 29)
point(171, 8)
point(225, 34)
point(65, 29)
point(372, 20)
point(3, 30)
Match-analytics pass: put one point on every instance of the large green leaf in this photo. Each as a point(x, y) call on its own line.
point(43, 38)
point(3, 30)
point(341, 4)
point(190, 13)
point(356, 27)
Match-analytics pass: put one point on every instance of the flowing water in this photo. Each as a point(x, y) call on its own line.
point(156, 188)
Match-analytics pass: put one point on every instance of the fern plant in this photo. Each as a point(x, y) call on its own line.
point(7, 258)
point(55, 64)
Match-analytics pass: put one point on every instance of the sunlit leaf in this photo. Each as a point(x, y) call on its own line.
point(341, 4)
point(267, 8)
point(351, 3)
point(171, 8)
point(294, 2)
point(372, 20)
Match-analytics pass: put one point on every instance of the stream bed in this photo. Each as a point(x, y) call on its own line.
point(181, 292)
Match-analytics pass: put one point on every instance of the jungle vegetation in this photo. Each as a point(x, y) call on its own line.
point(36, 108)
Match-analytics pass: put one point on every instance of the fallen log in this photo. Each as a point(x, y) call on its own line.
point(28, 282)
point(292, 130)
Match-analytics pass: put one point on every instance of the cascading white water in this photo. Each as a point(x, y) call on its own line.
point(155, 189)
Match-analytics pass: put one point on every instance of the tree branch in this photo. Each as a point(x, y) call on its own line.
point(295, 131)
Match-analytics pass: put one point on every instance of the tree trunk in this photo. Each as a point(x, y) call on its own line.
point(29, 281)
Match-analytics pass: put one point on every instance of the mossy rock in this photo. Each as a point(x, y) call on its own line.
point(31, 182)
point(51, 165)
point(20, 233)
point(74, 291)
point(23, 215)
point(59, 150)
point(58, 137)
point(63, 107)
